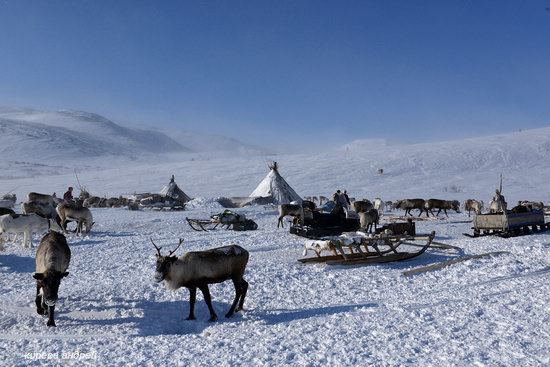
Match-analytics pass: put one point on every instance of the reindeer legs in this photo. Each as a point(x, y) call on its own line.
point(206, 293)
point(51, 310)
point(237, 282)
point(244, 285)
point(38, 301)
point(192, 298)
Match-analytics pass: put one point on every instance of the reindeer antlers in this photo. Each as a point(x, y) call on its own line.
point(179, 244)
point(171, 252)
point(158, 248)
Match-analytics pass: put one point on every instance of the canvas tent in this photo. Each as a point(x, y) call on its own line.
point(275, 189)
point(174, 192)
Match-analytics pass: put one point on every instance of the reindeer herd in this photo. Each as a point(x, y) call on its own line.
point(194, 270)
point(369, 212)
point(197, 269)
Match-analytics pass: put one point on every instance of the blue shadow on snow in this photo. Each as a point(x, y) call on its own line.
point(18, 264)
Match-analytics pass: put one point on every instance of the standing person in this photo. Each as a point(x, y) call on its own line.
point(342, 200)
point(68, 196)
point(336, 197)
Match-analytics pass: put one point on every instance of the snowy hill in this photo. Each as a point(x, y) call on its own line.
point(454, 170)
point(74, 134)
point(215, 143)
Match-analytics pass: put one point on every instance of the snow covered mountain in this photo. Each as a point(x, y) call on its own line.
point(30, 135)
point(75, 134)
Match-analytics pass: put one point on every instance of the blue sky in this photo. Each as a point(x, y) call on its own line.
point(283, 72)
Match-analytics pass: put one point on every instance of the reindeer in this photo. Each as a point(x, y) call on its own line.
point(442, 205)
point(26, 224)
point(409, 204)
point(4, 211)
point(368, 219)
point(52, 260)
point(197, 269)
point(83, 216)
point(471, 204)
point(113, 202)
point(318, 246)
point(294, 210)
point(91, 202)
point(361, 206)
point(42, 199)
point(532, 204)
point(42, 209)
point(379, 205)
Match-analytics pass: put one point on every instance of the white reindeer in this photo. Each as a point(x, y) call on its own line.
point(26, 224)
point(294, 210)
point(318, 246)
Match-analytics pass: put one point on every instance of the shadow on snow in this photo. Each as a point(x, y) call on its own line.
point(19, 264)
point(158, 317)
point(273, 317)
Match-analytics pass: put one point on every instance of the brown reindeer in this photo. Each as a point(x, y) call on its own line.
point(198, 269)
point(361, 206)
point(410, 204)
point(442, 205)
point(52, 260)
point(475, 205)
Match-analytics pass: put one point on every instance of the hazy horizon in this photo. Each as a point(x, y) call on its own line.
point(287, 74)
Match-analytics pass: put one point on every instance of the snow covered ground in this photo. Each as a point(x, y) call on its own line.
point(492, 311)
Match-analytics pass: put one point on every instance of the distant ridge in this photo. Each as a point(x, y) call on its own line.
point(72, 134)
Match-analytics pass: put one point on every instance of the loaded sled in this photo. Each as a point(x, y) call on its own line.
point(366, 249)
point(333, 224)
point(322, 224)
point(508, 223)
point(226, 219)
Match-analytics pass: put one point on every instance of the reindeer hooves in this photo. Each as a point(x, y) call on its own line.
point(40, 311)
point(191, 318)
point(51, 323)
point(213, 318)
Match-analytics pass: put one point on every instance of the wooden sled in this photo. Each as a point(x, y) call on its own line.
point(508, 224)
point(227, 220)
point(376, 252)
point(202, 225)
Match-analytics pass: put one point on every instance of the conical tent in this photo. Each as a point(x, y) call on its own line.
point(275, 187)
point(173, 191)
